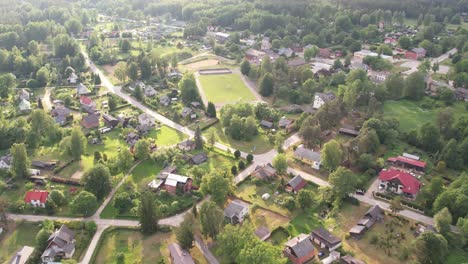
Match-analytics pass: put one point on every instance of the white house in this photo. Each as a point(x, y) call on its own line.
point(146, 120)
point(23, 94)
point(61, 244)
point(308, 156)
point(36, 198)
point(322, 98)
point(72, 78)
point(24, 105)
point(81, 89)
point(5, 162)
point(236, 211)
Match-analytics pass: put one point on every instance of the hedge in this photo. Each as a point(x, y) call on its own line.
point(65, 181)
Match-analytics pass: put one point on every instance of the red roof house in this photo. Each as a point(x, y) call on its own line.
point(36, 198)
point(406, 162)
point(399, 182)
point(86, 100)
point(295, 184)
point(324, 53)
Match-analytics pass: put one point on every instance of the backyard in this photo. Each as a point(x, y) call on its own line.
point(225, 88)
point(166, 136)
point(21, 234)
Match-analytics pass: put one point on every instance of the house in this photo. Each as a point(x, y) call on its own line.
point(391, 41)
point(264, 172)
point(308, 156)
point(285, 123)
point(109, 120)
point(332, 257)
point(461, 94)
point(36, 198)
point(87, 104)
point(61, 244)
point(178, 255)
point(324, 53)
point(195, 104)
point(5, 162)
point(287, 52)
point(348, 132)
point(72, 78)
point(61, 114)
point(186, 145)
point(266, 124)
point(254, 55)
point(322, 98)
point(325, 239)
point(165, 100)
point(236, 211)
point(415, 54)
point(171, 183)
point(300, 249)
point(23, 94)
point(24, 106)
point(44, 165)
point(199, 158)
point(90, 121)
point(406, 162)
point(378, 76)
point(222, 37)
point(132, 138)
point(357, 231)
point(399, 182)
point(146, 120)
point(297, 62)
point(360, 55)
point(187, 112)
point(297, 48)
point(375, 213)
point(295, 184)
point(81, 89)
point(149, 91)
point(265, 45)
point(22, 256)
point(358, 66)
point(348, 259)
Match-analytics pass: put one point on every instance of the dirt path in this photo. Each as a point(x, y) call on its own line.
point(200, 89)
point(77, 175)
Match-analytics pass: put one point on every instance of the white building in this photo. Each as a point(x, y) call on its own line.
point(322, 98)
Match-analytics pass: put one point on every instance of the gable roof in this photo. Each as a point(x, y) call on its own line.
point(199, 158)
point(40, 196)
point(297, 183)
point(86, 100)
point(326, 97)
point(308, 154)
point(325, 236)
point(301, 245)
point(410, 184)
point(187, 143)
point(234, 208)
point(375, 212)
point(61, 111)
point(285, 122)
point(413, 162)
point(264, 172)
point(90, 120)
point(62, 236)
point(267, 124)
point(22, 256)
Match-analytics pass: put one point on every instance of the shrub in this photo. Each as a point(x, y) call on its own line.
point(241, 165)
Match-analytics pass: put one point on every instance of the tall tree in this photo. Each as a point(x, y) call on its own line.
point(184, 233)
point(395, 85)
point(138, 93)
point(415, 86)
point(211, 110)
point(121, 71)
point(7, 83)
point(211, 219)
point(431, 248)
point(146, 68)
point(77, 143)
point(280, 163)
point(305, 198)
point(343, 182)
point(188, 89)
point(20, 162)
point(142, 149)
point(245, 67)
point(198, 138)
point(331, 155)
point(85, 203)
point(217, 184)
point(97, 181)
point(429, 137)
point(147, 214)
point(132, 71)
point(395, 204)
point(443, 220)
point(266, 85)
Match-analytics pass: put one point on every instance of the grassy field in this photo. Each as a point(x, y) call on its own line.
point(135, 247)
point(225, 88)
point(457, 256)
point(411, 115)
point(259, 144)
point(23, 235)
point(166, 136)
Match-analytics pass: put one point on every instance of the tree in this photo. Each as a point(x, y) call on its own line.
point(7, 83)
point(237, 154)
point(451, 156)
point(77, 144)
point(310, 133)
point(266, 85)
point(142, 149)
point(132, 71)
point(211, 110)
point(435, 67)
point(404, 42)
point(123, 202)
point(147, 214)
point(395, 204)
point(43, 76)
point(343, 182)
point(280, 163)
point(395, 85)
point(188, 88)
point(125, 160)
point(146, 68)
point(125, 45)
point(184, 233)
point(97, 181)
point(20, 162)
point(217, 185)
point(305, 198)
point(245, 67)
point(121, 71)
point(198, 138)
point(138, 93)
point(415, 86)
point(211, 219)
point(57, 197)
point(112, 102)
point(431, 248)
point(462, 225)
point(85, 203)
point(443, 220)
point(73, 26)
point(331, 155)
point(310, 53)
point(43, 235)
point(429, 137)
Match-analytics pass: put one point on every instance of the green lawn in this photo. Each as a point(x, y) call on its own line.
point(305, 222)
point(259, 144)
point(225, 88)
point(253, 193)
point(112, 142)
point(457, 256)
point(412, 116)
point(23, 235)
point(166, 136)
point(136, 247)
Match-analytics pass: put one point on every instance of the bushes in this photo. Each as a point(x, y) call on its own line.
point(65, 181)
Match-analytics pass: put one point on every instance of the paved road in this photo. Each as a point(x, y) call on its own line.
point(46, 103)
point(444, 56)
point(205, 250)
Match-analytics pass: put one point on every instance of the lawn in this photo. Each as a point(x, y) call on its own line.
point(24, 234)
point(136, 247)
point(258, 145)
point(457, 256)
point(305, 222)
point(225, 88)
point(412, 116)
point(166, 136)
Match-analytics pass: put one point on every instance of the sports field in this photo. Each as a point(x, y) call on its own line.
point(225, 88)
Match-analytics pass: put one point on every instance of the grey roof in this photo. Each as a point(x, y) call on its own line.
point(262, 232)
point(91, 119)
point(187, 143)
point(233, 209)
point(294, 182)
point(326, 97)
point(7, 159)
point(180, 256)
point(199, 158)
point(109, 118)
point(375, 212)
point(186, 111)
point(63, 235)
point(308, 154)
point(325, 236)
point(284, 122)
point(264, 172)
point(301, 245)
point(348, 259)
point(419, 50)
point(61, 111)
point(22, 256)
point(267, 124)
point(357, 229)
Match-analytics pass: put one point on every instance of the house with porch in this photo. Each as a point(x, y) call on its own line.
point(61, 245)
point(399, 182)
point(236, 211)
point(308, 156)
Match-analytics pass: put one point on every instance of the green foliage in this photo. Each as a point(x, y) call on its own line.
point(266, 85)
point(184, 233)
point(431, 248)
point(85, 203)
point(20, 162)
point(147, 214)
point(211, 110)
point(142, 149)
point(415, 86)
point(280, 163)
point(188, 88)
point(245, 67)
point(217, 184)
point(443, 220)
point(211, 219)
point(331, 155)
point(305, 198)
point(97, 181)
point(343, 182)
